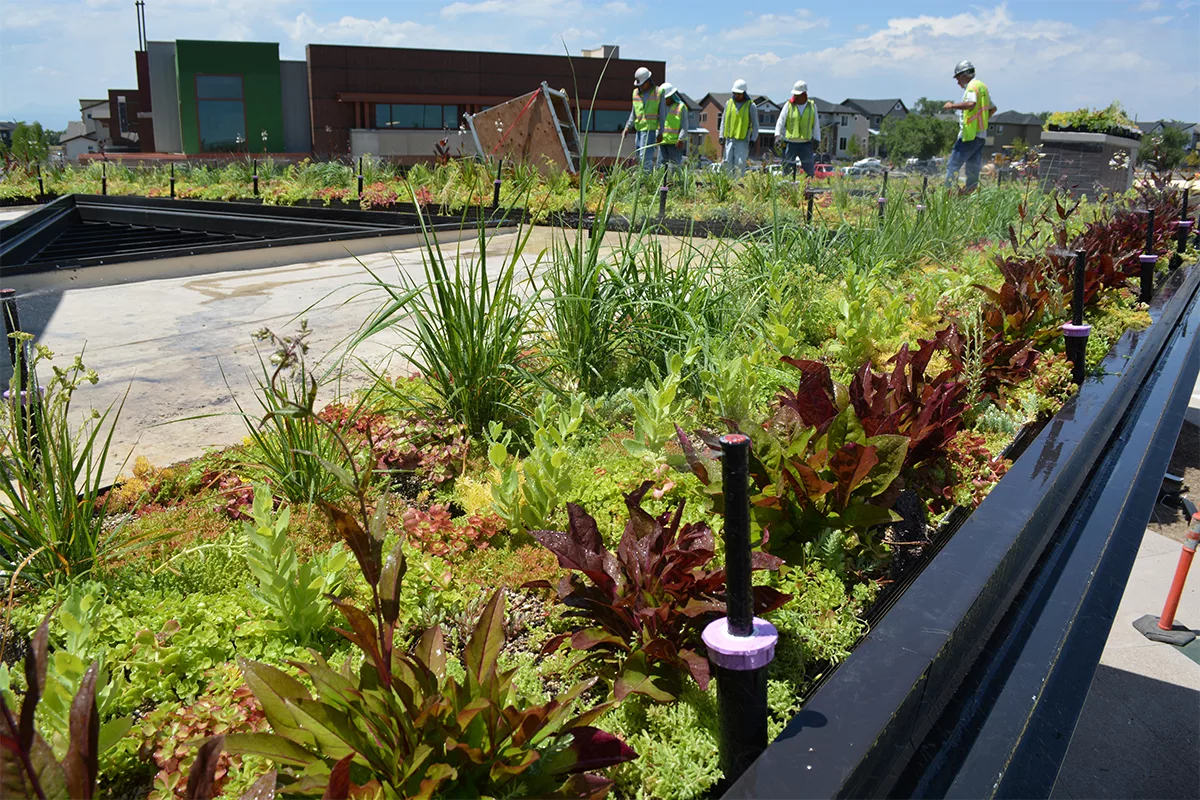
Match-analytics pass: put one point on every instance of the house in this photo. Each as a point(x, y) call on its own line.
point(876, 111)
point(840, 124)
point(90, 133)
point(1190, 129)
point(1008, 126)
point(6, 132)
point(768, 114)
point(696, 133)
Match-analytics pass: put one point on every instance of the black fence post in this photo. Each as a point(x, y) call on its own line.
point(254, 175)
point(172, 181)
point(808, 213)
point(496, 184)
point(42, 186)
point(1148, 259)
point(1076, 331)
point(1182, 227)
point(882, 201)
point(12, 324)
point(740, 645)
point(662, 197)
point(360, 177)
point(103, 177)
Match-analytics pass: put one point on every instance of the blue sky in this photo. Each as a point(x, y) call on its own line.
point(1034, 55)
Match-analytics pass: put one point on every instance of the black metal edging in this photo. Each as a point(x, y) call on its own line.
point(869, 731)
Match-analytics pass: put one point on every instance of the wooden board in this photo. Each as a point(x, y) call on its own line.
point(521, 129)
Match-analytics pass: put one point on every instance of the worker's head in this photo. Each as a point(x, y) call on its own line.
point(739, 90)
point(641, 79)
point(800, 92)
point(668, 91)
point(964, 71)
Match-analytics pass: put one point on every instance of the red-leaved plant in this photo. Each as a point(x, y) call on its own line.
point(645, 606)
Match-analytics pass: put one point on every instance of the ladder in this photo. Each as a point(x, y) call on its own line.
point(564, 122)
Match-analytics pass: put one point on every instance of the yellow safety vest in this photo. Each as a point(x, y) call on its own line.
point(645, 109)
point(975, 120)
point(800, 123)
point(674, 123)
point(736, 124)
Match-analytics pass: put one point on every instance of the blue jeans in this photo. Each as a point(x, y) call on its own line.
point(969, 154)
point(672, 154)
point(736, 155)
point(646, 152)
point(802, 151)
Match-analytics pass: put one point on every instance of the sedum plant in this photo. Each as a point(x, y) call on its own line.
point(293, 592)
point(643, 608)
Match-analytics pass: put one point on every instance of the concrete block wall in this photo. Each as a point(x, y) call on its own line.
point(1082, 163)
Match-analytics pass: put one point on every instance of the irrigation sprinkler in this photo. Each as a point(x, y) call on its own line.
point(1148, 259)
point(808, 214)
point(1182, 227)
point(662, 196)
point(172, 181)
point(254, 175)
point(740, 645)
point(496, 184)
point(924, 186)
point(103, 177)
point(360, 177)
point(42, 186)
point(1076, 331)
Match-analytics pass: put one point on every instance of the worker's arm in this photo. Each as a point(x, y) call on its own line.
point(662, 117)
point(753, 123)
point(683, 128)
point(816, 126)
point(969, 102)
point(629, 122)
point(781, 123)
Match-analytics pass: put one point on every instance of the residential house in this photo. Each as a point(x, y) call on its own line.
point(89, 134)
point(840, 124)
point(712, 106)
point(1190, 129)
point(696, 133)
point(1008, 126)
point(6, 132)
point(876, 111)
point(768, 113)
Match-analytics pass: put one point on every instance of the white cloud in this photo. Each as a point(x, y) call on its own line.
point(534, 11)
point(617, 8)
point(1161, 20)
point(380, 32)
point(1149, 5)
point(767, 59)
point(776, 26)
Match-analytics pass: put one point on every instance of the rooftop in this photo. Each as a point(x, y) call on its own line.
point(875, 108)
point(826, 107)
point(1016, 118)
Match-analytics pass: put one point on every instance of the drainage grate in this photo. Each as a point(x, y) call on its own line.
point(87, 230)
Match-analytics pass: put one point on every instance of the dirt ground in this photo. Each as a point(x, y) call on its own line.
point(1186, 462)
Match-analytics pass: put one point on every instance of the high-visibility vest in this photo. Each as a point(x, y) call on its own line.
point(736, 124)
point(975, 120)
point(800, 123)
point(674, 123)
point(645, 109)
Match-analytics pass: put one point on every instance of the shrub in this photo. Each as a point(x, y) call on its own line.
point(645, 607)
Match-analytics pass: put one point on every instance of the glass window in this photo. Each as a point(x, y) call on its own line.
point(842, 143)
point(407, 116)
point(222, 125)
point(450, 117)
point(219, 87)
point(603, 121)
point(383, 115)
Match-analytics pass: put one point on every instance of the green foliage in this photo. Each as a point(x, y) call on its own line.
point(656, 408)
point(30, 144)
point(292, 592)
point(51, 508)
point(1111, 119)
point(1166, 148)
point(917, 136)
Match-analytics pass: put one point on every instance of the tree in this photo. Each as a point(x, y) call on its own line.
point(854, 147)
point(29, 144)
point(1166, 148)
point(1018, 148)
point(929, 108)
point(917, 136)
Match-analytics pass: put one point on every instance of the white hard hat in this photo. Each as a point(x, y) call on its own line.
point(963, 67)
point(739, 86)
point(800, 88)
point(667, 89)
point(641, 76)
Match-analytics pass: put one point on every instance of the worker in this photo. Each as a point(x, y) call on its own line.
point(799, 129)
point(739, 128)
point(646, 118)
point(973, 113)
point(674, 138)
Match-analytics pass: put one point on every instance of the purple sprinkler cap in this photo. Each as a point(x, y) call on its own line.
point(1148, 258)
point(881, 200)
point(1072, 331)
point(1186, 224)
point(740, 653)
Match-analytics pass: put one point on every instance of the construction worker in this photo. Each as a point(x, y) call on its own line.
point(973, 113)
point(646, 118)
point(674, 137)
point(739, 128)
point(799, 128)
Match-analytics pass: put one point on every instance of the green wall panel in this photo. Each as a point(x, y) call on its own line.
point(258, 65)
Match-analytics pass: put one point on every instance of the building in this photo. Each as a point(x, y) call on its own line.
point(712, 106)
point(696, 133)
point(840, 124)
point(90, 133)
point(222, 98)
point(399, 102)
point(876, 111)
point(1008, 126)
point(768, 114)
point(1190, 129)
point(6, 132)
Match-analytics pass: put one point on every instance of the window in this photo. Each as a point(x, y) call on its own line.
point(704, 116)
point(605, 121)
point(221, 112)
point(416, 117)
point(842, 143)
point(999, 129)
point(844, 121)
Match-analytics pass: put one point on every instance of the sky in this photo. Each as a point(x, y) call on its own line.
point(1034, 56)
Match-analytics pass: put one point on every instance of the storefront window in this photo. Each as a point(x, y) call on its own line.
point(405, 116)
point(221, 112)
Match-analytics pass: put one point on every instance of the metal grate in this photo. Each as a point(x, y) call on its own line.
point(112, 239)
